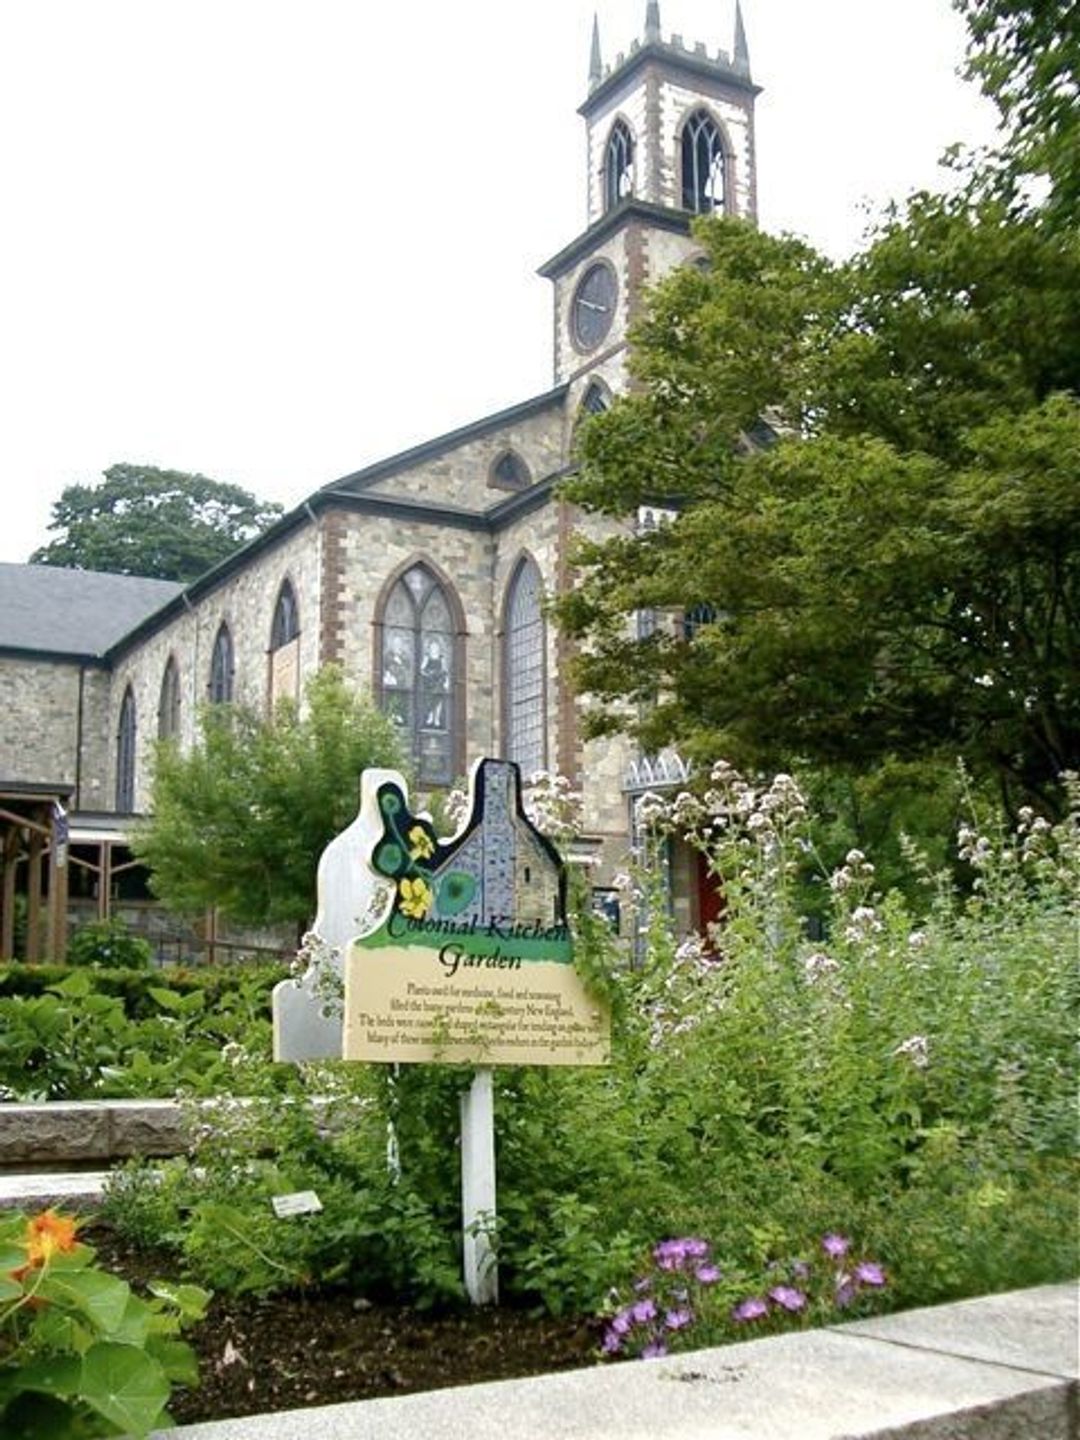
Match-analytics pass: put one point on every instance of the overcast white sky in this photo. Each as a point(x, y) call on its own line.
point(272, 241)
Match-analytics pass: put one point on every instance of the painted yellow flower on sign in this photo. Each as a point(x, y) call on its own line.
point(415, 898)
point(421, 845)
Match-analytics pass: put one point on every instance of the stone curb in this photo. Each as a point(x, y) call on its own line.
point(1002, 1367)
point(75, 1132)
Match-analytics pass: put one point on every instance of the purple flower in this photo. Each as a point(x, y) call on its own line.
point(655, 1350)
point(750, 1309)
point(707, 1274)
point(612, 1342)
point(869, 1272)
point(696, 1249)
point(835, 1246)
point(845, 1292)
point(621, 1323)
point(642, 1311)
point(679, 1319)
point(788, 1298)
point(669, 1254)
point(800, 1270)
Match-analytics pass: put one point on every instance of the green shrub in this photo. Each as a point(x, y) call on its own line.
point(110, 944)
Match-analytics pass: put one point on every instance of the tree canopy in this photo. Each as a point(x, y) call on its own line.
point(140, 520)
point(240, 821)
point(897, 572)
point(1026, 56)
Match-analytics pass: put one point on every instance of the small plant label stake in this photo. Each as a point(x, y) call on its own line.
point(469, 961)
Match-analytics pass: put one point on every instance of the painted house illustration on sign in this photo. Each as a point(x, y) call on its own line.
point(517, 872)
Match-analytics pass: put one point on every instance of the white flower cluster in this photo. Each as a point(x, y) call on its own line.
point(862, 923)
point(552, 805)
point(855, 873)
point(915, 1049)
point(818, 965)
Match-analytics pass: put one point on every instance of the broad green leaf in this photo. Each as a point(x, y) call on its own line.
point(176, 1358)
point(52, 1375)
point(170, 1000)
point(125, 1385)
point(32, 1416)
point(101, 1298)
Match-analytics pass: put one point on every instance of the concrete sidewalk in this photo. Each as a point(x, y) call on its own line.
point(1003, 1367)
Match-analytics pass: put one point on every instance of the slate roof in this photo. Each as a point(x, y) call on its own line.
point(81, 613)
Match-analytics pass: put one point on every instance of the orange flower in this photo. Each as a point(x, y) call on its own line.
point(49, 1234)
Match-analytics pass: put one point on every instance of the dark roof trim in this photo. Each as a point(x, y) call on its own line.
point(625, 213)
point(361, 479)
point(65, 657)
point(34, 790)
point(674, 58)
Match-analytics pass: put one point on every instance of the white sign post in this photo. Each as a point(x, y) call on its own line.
point(478, 1188)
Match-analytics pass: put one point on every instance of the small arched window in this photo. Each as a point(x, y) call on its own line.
point(418, 671)
point(125, 755)
point(524, 709)
point(169, 703)
point(286, 623)
point(618, 165)
point(509, 472)
point(596, 399)
point(221, 667)
point(704, 165)
point(696, 617)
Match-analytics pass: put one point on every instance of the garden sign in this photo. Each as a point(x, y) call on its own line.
point(467, 959)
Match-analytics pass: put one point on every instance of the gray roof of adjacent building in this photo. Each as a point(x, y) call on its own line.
point(78, 613)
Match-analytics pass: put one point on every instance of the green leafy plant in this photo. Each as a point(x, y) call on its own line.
point(109, 943)
point(80, 1354)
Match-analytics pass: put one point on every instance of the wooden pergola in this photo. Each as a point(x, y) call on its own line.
point(34, 863)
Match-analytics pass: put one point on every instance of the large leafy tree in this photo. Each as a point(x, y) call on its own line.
point(1026, 56)
point(140, 520)
point(239, 822)
point(897, 574)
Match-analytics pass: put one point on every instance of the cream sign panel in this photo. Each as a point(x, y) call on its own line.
point(473, 961)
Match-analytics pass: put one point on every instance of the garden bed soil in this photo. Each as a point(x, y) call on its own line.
point(281, 1352)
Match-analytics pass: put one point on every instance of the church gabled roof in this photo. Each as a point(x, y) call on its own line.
point(406, 459)
point(45, 609)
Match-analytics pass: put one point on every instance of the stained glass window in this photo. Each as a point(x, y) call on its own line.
point(125, 755)
point(221, 667)
point(286, 625)
point(417, 670)
point(169, 704)
point(523, 670)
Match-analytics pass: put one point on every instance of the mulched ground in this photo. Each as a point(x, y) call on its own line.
point(286, 1351)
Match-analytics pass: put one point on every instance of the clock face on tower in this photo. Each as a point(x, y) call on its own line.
point(593, 306)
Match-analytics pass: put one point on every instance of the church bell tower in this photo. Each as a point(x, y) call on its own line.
point(669, 135)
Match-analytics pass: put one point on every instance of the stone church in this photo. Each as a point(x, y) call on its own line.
point(424, 576)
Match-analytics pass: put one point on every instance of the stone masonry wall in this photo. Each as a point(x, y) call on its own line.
point(460, 475)
point(245, 602)
point(40, 729)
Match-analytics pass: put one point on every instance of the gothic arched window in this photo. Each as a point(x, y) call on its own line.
point(418, 667)
point(524, 710)
point(221, 667)
point(509, 472)
point(618, 165)
point(284, 676)
point(696, 617)
point(125, 755)
point(169, 703)
point(703, 165)
point(596, 399)
point(286, 623)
